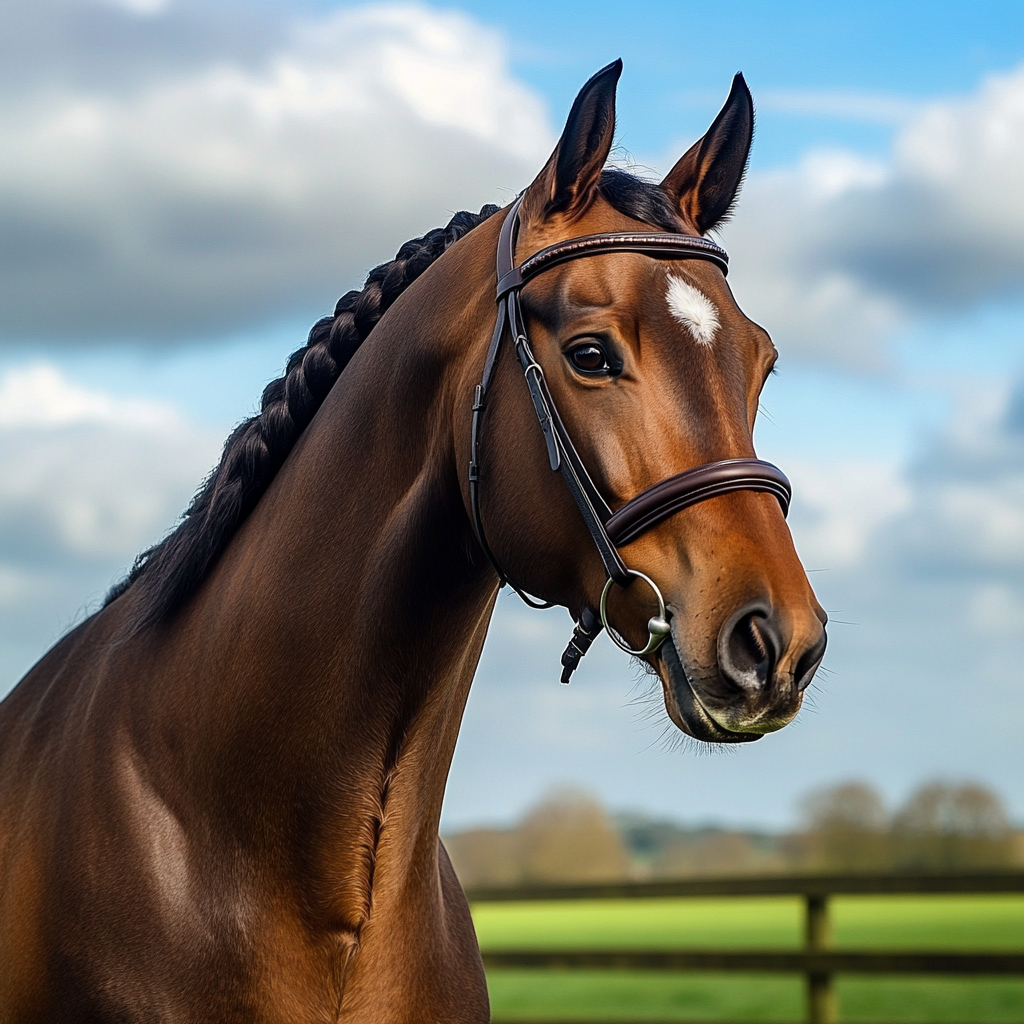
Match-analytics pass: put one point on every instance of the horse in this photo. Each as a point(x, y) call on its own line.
point(220, 794)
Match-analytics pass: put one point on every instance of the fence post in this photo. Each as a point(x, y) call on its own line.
point(821, 1001)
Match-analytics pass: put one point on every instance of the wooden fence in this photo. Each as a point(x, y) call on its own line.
point(817, 961)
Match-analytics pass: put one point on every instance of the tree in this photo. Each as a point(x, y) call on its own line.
point(714, 852)
point(946, 827)
point(485, 856)
point(570, 838)
point(567, 837)
point(845, 828)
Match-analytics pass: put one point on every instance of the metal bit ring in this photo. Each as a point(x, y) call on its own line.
point(657, 626)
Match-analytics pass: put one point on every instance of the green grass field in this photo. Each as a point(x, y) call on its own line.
point(904, 922)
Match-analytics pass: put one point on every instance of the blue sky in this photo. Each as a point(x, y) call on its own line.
point(880, 182)
point(679, 54)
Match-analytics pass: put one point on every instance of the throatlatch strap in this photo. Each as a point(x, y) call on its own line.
point(506, 255)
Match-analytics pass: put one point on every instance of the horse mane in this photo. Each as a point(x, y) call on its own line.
point(166, 575)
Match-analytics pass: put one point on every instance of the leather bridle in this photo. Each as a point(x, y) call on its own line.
point(609, 530)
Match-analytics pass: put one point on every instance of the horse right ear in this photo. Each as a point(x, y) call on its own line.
point(569, 180)
point(705, 182)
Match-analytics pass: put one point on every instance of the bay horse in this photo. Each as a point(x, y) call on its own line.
point(220, 795)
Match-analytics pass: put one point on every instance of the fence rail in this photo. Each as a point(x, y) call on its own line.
point(817, 961)
point(797, 961)
point(762, 885)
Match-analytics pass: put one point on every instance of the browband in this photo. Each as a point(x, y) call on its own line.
point(660, 245)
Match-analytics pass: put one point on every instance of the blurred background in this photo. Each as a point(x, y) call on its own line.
point(568, 836)
point(186, 186)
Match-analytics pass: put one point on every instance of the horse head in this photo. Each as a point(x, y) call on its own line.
point(651, 369)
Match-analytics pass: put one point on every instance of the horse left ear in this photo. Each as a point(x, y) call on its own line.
point(568, 182)
point(708, 176)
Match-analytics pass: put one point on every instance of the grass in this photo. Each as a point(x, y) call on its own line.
point(642, 995)
point(902, 922)
point(889, 922)
point(775, 999)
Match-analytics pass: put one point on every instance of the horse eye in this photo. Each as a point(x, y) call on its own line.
point(589, 358)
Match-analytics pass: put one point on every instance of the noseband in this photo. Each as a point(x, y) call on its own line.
point(608, 529)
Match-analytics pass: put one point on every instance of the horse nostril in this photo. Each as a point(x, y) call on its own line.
point(809, 662)
point(748, 648)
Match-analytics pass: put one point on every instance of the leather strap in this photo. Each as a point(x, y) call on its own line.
point(562, 455)
point(675, 493)
point(506, 254)
point(659, 245)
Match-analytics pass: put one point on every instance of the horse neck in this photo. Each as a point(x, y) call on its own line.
point(316, 683)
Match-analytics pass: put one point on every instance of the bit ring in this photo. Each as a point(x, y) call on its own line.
point(657, 626)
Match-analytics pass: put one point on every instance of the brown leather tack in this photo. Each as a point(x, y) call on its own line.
point(675, 493)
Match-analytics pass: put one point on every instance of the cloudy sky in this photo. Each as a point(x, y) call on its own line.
point(185, 186)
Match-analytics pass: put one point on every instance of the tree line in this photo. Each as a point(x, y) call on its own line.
point(939, 827)
point(570, 837)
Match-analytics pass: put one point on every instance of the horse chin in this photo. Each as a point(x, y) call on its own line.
point(684, 706)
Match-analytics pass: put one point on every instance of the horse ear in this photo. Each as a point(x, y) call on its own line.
point(569, 180)
point(707, 178)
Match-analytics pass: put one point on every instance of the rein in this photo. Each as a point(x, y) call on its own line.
point(609, 530)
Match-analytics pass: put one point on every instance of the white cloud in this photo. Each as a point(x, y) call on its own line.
point(38, 395)
point(211, 174)
point(18, 585)
point(812, 307)
point(87, 477)
point(967, 515)
point(989, 517)
point(853, 105)
point(835, 254)
point(143, 8)
point(997, 609)
point(446, 67)
point(838, 506)
point(955, 511)
point(203, 202)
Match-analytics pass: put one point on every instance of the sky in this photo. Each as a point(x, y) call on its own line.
point(186, 186)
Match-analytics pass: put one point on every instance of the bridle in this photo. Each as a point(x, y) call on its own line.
point(609, 530)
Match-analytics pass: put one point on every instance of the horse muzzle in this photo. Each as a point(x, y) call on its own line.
point(754, 685)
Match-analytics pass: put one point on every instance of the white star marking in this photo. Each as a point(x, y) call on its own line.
point(693, 309)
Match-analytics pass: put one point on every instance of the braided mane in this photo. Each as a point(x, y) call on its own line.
point(168, 573)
